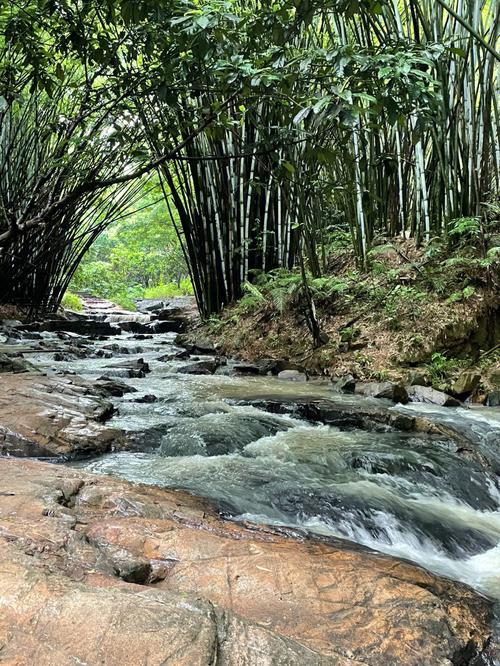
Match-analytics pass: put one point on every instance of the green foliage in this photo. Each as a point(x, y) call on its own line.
point(184, 288)
point(72, 301)
point(462, 295)
point(465, 228)
point(440, 367)
point(137, 257)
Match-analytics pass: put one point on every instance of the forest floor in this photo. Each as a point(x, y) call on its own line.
point(414, 314)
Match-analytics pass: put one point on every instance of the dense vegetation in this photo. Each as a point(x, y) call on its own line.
point(274, 129)
point(139, 256)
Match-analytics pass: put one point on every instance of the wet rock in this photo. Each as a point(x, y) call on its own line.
point(86, 327)
point(493, 399)
point(225, 593)
point(429, 395)
point(388, 390)
point(133, 369)
point(16, 365)
point(466, 384)
point(148, 398)
point(174, 356)
point(292, 376)
point(135, 327)
point(247, 369)
point(345, 384)
point(108, 387)
point(195, 345)
point(54, 416)
point(417, 378)
point(207, 367)
point(168, 326)
point(149, 305)
point(227, 433)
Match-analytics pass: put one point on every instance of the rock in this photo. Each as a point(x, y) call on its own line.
point(168, 326)
point(494, 376)
point(292, 376)
point(174, 356)
point(96, 570)
point(493, 399)
point(87, 327)
point(345, 384)
point(135, 327)
point(389, 390)
point(16, 365)
point(247, 369)
point(417, 378)
point(54, 416)
point(108, 387)
point(149, 305)
point(199, 368)
point(148, 398)
point(466, 384)
point(429, 395)
point(196, 345)
point(133, 369)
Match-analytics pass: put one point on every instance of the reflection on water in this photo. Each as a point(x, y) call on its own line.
point(404, 494)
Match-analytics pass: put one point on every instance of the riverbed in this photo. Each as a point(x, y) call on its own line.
point(407, 494)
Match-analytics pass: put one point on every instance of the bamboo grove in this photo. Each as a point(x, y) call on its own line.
point(269, 128)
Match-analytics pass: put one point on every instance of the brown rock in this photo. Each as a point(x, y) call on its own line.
point(224, 593)
point(466, 384)
point(53, 416)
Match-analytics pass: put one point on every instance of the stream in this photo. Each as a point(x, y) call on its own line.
point(409, 495)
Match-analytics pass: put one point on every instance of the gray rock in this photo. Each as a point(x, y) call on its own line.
point(345, 384)
point(292, 376)
point(137, 368)
point(493, 399)
point(429, 395)
point(207, 367)
point(78, 326)
point(9, 364)
point(388, 390)
point(168, 326)
point(466, 384)
point(107, 387)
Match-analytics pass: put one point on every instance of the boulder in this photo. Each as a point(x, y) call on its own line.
point(148, 398)
point(168, 326)
point(135, 327)
point(466, 384)
point(136, 368)
point(197, 345)
point(247, 369)
point(292, 376)
point(96, 570)
point(175, 356)
point(345, 384)
point(388, 390)
point(86, 327)
point(14, 364)
point(207, 367)
point(108, 387)
point(429, 395)
point(493, 399)
point(54, 416)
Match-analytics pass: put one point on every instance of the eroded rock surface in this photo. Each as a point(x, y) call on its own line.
point(95, 570)
point(53, 415)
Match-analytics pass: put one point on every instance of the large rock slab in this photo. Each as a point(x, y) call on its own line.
point(47, 416)
point(205, 591)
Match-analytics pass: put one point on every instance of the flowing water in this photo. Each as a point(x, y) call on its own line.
point(409, 495)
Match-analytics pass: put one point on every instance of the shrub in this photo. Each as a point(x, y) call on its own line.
point(71, 301)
